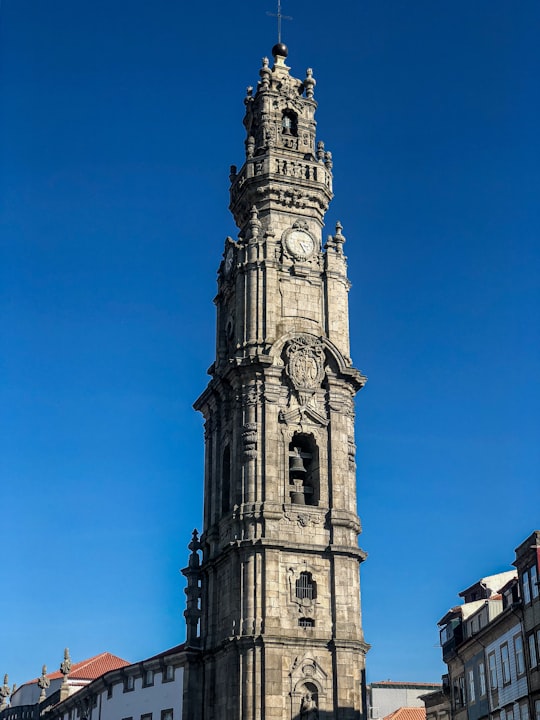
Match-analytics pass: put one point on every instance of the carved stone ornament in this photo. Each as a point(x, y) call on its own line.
point(309, 685)
point(351, 452)
point(249, 436)
point(5, 692)
point(305, 366)
point(304, 519)
point(65, 665)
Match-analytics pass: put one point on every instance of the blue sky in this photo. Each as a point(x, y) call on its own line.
point(119, 124)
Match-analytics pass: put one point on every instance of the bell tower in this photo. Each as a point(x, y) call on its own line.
point(273, 617)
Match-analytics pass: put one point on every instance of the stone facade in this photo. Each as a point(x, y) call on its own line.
point(273, 605)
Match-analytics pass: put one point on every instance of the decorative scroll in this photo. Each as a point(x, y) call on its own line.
point(249, 436)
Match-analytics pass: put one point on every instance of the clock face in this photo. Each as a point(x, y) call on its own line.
point(300, 244)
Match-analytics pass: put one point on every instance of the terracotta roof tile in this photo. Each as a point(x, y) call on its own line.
point(407, 713)
point(90, 669)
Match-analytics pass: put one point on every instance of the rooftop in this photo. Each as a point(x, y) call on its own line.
point(407, 713)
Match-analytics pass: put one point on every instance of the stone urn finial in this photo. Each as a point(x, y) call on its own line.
point(65, 665)
point(5, 692)
point(43, 683)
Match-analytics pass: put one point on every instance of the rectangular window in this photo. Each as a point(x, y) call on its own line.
point(109, 691)
point(492, 671)
point(517, 712)
point(534, 582)
point(461, 684)
point(167, 714)
point(505, 663)
point(518, 650)
point(532, 650)
point(503, 714)
point(129, 683)
point(526, 588)
point(148, 678)
point(524, 710)
point(458, 692)
point(510, 714)
point(146, 716)
point(537, 710)
point(168, 673)
point(482, 678)
point(471, 686)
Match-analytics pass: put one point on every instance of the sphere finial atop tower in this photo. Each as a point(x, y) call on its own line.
point(280, 49)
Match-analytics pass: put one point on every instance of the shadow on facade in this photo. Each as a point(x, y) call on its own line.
point(342, 713)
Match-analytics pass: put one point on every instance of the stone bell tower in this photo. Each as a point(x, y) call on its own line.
point(273, 618)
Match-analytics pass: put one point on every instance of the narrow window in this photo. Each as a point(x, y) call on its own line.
point(492, 671)
point(532, 651)
point(524, 710)
point(461, 685)
point(534, 582)
point(505, 662)
point(471, 686)
point(482, 678)
point(526, 588)
point(518, 650)
point(226, 481)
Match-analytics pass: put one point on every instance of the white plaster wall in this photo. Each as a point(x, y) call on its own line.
point(141, 700)
point(29, 693)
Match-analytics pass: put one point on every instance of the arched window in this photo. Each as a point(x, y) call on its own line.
point(289, 123)
point(306, 587)
point(304, 470)
point(226, 481)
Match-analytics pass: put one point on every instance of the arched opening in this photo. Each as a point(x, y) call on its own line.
point(306, 587)
point(309, 705)
point(304, 470)
point(226, 481)
point(289, 123)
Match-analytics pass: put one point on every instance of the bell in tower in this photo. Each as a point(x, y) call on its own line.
point(274, 618)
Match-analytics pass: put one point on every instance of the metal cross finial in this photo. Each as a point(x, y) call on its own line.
point(279, 17)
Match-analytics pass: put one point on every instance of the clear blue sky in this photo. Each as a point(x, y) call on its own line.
point(119, 123)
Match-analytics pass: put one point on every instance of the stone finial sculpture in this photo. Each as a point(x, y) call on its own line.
point(43, 683)
point(309, 83)
point(5, 692)
point(65, 669)
point(65, 665)
point(266, 75)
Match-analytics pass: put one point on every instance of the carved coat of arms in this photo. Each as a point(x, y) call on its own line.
point(305, 366)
